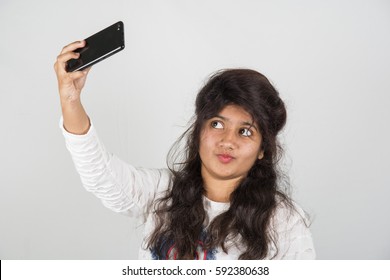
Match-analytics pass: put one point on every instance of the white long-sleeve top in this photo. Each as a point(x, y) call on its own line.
point(132, 191)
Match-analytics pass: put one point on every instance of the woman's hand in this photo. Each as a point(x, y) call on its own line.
point(76, 120)
point(70, 84)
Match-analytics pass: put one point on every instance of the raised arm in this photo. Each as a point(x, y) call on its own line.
point(121, 187)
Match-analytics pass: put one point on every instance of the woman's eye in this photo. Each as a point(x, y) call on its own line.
point(245, 132)
point(216, 124)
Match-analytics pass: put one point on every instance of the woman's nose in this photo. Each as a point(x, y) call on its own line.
point(228, 140)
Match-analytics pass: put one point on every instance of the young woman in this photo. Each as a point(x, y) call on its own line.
point(221, 198)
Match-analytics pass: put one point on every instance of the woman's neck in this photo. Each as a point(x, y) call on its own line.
point(219, 190)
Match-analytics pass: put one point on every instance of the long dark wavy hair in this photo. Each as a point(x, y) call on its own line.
point(180, 214)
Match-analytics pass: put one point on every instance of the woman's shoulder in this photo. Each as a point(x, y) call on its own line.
point(289, 214)
point(291, 231)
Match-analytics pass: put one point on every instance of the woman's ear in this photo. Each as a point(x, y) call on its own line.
point(261, 154)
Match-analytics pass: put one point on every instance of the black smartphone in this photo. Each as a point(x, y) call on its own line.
point(98, 47)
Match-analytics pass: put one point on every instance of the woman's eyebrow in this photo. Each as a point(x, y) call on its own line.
point(248, 123)
point(221, 117)
point(251, 124)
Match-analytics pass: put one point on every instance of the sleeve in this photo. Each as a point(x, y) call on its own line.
point(120, 186)
point(294, 239)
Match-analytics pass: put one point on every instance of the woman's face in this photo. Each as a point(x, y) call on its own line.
point(229, 145)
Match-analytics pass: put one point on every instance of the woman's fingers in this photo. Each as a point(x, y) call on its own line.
point(66, 54)
point(78, 74)
point(62, 59)
point(73, 46)
point(86, 70)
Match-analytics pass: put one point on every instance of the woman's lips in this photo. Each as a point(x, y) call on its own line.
point(224, 158)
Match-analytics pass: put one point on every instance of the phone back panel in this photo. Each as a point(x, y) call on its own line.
point(98, 47)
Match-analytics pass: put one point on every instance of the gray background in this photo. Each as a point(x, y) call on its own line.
point(330, 60)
